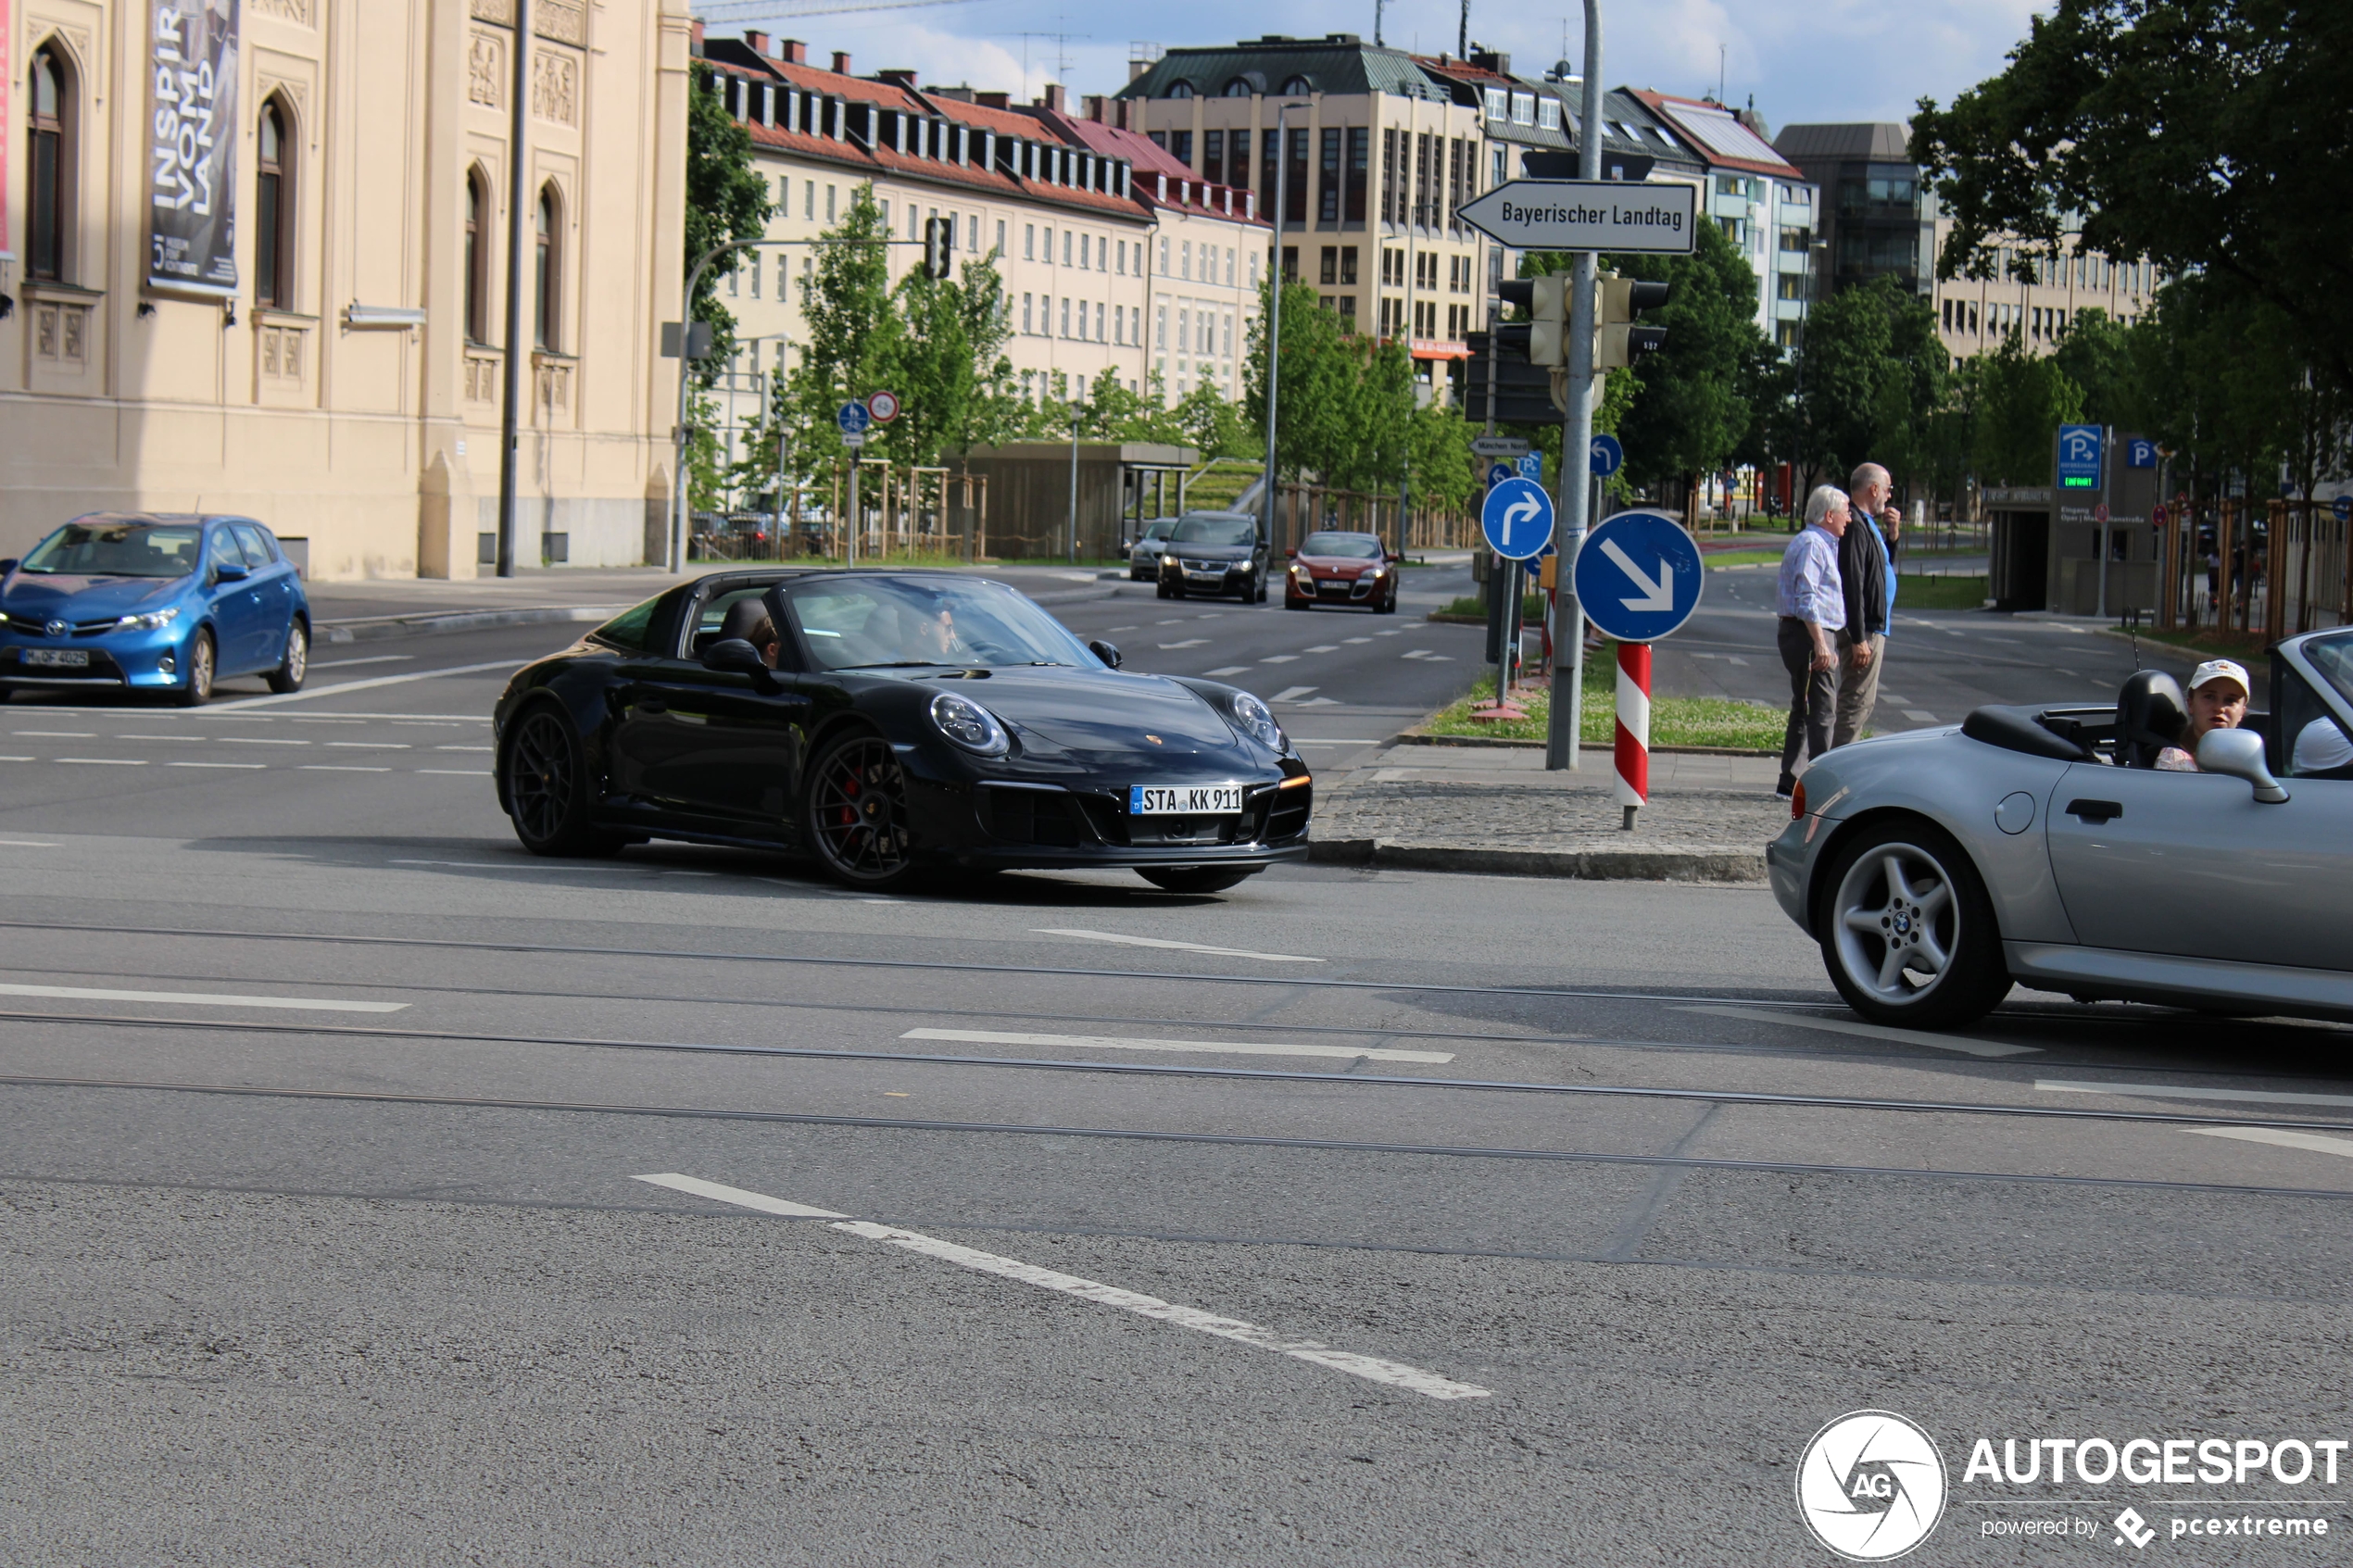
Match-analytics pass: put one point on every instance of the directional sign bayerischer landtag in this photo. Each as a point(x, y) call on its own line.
point(1639, 576)
point(1517, 519)
point(1611, 215)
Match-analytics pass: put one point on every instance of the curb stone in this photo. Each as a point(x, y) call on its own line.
point(376, 628)
point(1422, 737)
point(1588, 865)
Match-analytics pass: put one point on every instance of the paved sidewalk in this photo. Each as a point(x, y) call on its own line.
point(1496, 810)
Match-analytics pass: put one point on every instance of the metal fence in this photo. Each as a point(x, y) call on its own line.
point(2271, 569)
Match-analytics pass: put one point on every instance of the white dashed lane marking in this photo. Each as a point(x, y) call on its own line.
point(1164, 942)
point(1372, 1369)
point(1114, 1043)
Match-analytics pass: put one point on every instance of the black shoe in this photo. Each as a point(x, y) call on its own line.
point(1787, 787)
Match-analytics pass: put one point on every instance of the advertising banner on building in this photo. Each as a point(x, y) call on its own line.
point(190, 145)
point(8, 119)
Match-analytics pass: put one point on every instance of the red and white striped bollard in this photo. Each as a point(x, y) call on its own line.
point(1633, 787)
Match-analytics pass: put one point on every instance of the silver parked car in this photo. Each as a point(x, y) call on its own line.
point(1143, 558)
point(2040, 846)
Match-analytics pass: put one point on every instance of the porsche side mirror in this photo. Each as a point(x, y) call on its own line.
point(229, 573)
point(1105, 652)
point(735, 656)
point(2239, 753)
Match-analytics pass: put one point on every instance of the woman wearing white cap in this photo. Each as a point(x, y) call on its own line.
point(2218, 696)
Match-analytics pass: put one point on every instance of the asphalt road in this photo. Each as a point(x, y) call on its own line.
point(1347, 1217)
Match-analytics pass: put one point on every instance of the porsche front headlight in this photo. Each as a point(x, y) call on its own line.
point(969, 725)
point(1256, 721)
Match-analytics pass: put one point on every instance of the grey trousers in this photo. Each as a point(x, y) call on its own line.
point(1813, 695)
point(1857, 689)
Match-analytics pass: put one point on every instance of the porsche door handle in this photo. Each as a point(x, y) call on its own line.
point(652, 705)
point(2094, 811)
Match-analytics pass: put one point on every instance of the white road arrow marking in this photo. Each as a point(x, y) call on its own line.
point(1659, 596)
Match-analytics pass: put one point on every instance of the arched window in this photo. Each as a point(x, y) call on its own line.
point(545, 273)
point(1238, 88)
point(1298, 84)
point(477, 257)
point(273, 211)
point(51, 208)
point(1180, 90)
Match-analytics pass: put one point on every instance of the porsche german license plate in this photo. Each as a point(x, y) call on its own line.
point(1186, 801)
point(58, 659)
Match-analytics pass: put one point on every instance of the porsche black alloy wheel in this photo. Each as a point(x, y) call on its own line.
point(858, 812)
point(548, 791)
point(1195, 879)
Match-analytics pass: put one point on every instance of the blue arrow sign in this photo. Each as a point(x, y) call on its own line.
point(1608, 456)
point(1497, 473)
point(2079, 457)
point(2343, 507)
point(1638, 576)
point(1517, 519)
point(853, 419)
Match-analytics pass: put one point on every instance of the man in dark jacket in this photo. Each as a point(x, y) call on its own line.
point(1865, 571)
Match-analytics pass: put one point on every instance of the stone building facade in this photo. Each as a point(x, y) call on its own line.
point(323, 349)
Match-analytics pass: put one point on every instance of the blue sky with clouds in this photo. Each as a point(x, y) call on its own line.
point(1802, 59)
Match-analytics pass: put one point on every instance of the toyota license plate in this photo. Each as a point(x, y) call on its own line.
point(58, 659)
point(1185, 800)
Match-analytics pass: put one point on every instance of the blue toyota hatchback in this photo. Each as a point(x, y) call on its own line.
point(153, 601)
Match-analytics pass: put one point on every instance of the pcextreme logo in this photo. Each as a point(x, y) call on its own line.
point(1870, 1485)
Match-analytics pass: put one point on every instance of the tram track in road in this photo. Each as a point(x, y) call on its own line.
point(1354, 1080)
point(1162, 1135)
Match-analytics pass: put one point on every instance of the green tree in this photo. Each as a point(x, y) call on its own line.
point(2023, 398)
point(2207, 136)
point(727, 200)
point(1865, 386)
point(1210, 423)
point(1690, 411)
point(2096, 355)
point(1318, 391)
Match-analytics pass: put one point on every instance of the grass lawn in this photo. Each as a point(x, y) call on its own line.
point(1739, 557)
point(2244, 646)
point(1531, 609)
point(1939, 592)
point(1675, 721)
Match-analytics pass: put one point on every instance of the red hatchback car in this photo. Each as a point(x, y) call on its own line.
point(1343, 569)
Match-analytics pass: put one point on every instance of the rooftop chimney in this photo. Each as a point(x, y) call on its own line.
point(842, 62)
point(994, 100)
point(898, 78)
point(1138, 67)
point(1053, 98)
point(694, 37)
point(792, 51)
point(757, 40)
point(1092, 104)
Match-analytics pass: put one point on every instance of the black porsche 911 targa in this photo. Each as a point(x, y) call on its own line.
point(886, 723)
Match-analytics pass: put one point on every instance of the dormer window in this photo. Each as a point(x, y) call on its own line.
point(1180, 90)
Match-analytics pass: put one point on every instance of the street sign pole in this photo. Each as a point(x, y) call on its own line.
point(1633, 788)
point(1640, 577)
point(1566, 720)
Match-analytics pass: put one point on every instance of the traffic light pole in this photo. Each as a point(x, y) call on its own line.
point(1572, 517)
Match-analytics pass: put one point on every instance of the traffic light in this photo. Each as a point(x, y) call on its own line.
point(1617, 340)
point(1544, 338)
point(940, 248)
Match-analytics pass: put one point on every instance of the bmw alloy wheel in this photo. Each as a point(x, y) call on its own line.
point(1910, 935)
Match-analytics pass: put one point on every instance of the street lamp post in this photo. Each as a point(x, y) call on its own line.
point(1275, 309)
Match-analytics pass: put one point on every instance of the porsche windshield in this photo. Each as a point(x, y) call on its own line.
point(1351, 546)
point(877, 622)
point(117, 549)
point(1236, 530)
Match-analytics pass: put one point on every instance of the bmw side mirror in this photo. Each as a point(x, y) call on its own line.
point(1105, 652)
point(2239, 753)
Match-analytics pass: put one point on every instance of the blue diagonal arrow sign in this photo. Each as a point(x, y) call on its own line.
point(1639, 576)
